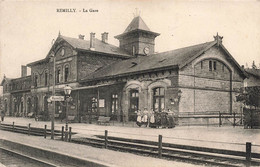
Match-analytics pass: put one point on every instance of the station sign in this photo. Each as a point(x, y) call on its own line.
point(57, 98)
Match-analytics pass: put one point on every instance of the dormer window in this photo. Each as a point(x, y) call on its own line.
point(46, 78)
point(36, 80)
point(134, 50)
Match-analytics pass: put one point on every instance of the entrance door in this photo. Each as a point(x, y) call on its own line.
point(22, 114)
point(134, 105)
point(29, 103)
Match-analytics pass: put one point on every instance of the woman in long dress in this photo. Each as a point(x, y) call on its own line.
point(152, 119)
point(139, 118)
point(145, 117)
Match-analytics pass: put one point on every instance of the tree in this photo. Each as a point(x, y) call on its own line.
point(250, 97)
point(253, 65)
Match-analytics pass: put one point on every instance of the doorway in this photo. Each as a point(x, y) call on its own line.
point(134, 105)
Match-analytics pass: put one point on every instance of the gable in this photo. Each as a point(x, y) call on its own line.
point(217, 52)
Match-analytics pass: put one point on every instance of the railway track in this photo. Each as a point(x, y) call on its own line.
point(169, 151)
point(26, 130)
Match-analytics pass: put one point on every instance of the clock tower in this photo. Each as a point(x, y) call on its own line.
point(137, 39)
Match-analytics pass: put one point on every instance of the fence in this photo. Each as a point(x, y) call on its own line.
point(251, 118)
point(214, 118)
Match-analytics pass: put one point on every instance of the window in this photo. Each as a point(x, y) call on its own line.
point(58, 76)
point(223, 67)
point(201, 65)
point(36, 80)
point(46, 78)
point(133, 50)
point(114, 103)
point(114, 107)
point(215, 65)
point(158, 99)
point(210, 65)
point(94, 105)
point(66, 73)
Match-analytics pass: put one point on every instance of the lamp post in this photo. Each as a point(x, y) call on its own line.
point(53, 94)
point(67, 91)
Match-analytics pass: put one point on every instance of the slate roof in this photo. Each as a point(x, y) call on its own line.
point(168, 59)
point(99, 46)
point(254, 72)
point(137, 23)
point(6, 79)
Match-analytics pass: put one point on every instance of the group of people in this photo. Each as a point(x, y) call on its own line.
point(155, 119)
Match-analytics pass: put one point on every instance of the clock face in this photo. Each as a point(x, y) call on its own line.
point(146, 50)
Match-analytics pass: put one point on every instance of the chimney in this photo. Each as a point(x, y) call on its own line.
point(24, 71)
point(81, 36)
point(104, 37)
point(92, 41)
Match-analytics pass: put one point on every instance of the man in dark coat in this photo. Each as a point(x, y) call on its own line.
point(2, 116)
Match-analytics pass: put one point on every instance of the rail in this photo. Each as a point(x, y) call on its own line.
point(203, 155)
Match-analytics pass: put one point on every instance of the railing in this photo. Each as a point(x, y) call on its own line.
point(160, 149)
point(210, 118)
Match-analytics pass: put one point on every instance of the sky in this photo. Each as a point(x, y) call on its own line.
point(27, 29)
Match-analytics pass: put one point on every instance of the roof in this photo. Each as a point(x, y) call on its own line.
point(84, 45)
point(169, 59)
point(99, 46)
point(6, 79)
point(254, 72)
point(137, 23)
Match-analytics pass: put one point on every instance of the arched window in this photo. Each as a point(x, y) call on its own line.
point(158, 99)
point(58, 79)
point(35, 80)
point(66, 73)
point(46, 78)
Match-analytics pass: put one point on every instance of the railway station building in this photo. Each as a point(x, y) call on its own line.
point(114, 81)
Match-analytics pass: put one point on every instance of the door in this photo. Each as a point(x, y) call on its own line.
point(134, 105)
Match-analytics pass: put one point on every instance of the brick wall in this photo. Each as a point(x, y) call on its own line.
point(208, 89)
point(90, 62)
point(139, 40)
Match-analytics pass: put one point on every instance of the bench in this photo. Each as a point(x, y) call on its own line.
point(56, 115)
point(103, 120)
point(71, 118)
point(30, 115)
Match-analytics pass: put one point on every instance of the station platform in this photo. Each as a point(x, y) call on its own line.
point(96, 155)
point(225, 137)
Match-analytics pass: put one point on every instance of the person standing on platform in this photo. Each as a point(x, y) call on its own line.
point(164, 121)
point(152, 118)
point(2, 116)
point(139, 118)
point(170, 119)
point(145, 117)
